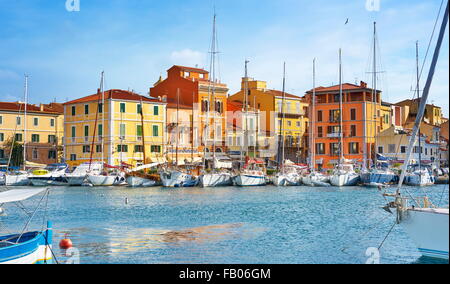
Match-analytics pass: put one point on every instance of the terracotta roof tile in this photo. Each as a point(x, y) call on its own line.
point(115, 95)
point(52, 108)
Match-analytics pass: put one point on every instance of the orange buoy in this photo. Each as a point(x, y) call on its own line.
point(65, 243)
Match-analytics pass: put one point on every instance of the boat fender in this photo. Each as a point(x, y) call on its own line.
point(65, 243)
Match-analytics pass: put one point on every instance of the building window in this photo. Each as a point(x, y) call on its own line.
point(100, 130)
point(139, 130)
point(122, 131)
point(352, 130)
point(289, 123)
point(73, 157)
point(35, 154)
point(2, 154)
point(35, 138)
point(98, 148)
point(86, 131)
point(122, 107)
point(52, 139)
point(320, 148)
point(86, 148)
point(122, 148)
point(353, 114)
point(155, 131)
point(299, 124)
point(319, 115)
point(139, 109)
point(334, 149)
point(320, 131)
point(403, 149)
point(138, 149)
point(187, 74)
point(36, 121)
point(86, 109)
point(1, 119)
point(380, 150)
point(74, 111)
point(19, 137)
point(100, 108)
point(353, 148)
point(335, 115)
point(52, 122)
point(2, 137)
point(18, 121)
point(74, 130)
point(156, 149)
point(391, 148)
point(52, 154)
point(155, 110)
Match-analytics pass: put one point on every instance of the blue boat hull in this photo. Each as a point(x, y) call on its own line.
point(30, 248)
point(378, 178)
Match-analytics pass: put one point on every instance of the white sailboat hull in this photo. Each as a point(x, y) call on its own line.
point(214, 180)
point(140, 182)
point(17, 180)
point(101, 180)
point(76, 180)
point(416, 179)
point(177, 179)
point(316, 180)
point(428, 228)
point(250, 180)
point(287, 180)
point(345, 179)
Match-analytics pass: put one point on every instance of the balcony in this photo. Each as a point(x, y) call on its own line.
point(334, 135)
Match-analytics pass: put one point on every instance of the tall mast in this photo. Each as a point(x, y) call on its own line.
point(213, 102)
point(283, 114)
point(374, 96)
point(178, 125)
point(95, 126)
point(143, 133)
point(192, 129)
point(312, 124)
point(418, 101)
point(103, 117)
point(25, 125)
point(341, 146)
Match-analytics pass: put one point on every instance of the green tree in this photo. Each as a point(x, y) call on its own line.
point(17, 152)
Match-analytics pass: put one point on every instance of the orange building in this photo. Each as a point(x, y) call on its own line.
point(362, 122)
point(191, 88)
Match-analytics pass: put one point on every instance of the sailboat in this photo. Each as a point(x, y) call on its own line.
point(78, 176)
point(344, 174)
point(175, 176)
point(419, 175)
point(220, 176)
point(19, 178)
point(53, 174)
point(426, 224)
point(26, 247)
point(252, 172)
point(287, 175)
point(379, 174)
point(314, 178)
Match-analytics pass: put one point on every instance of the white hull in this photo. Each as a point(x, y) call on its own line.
point(102, 180)
point(286, 180)
point(41, 255)
point(140, 182)
point(344, 179)
point(213, 180)
point(428, 228)
point(17, 180)
point(416, 179)
point(47, 182)
point(250, 180)
point(315, 179)
point(177, 179)
point(76, 180)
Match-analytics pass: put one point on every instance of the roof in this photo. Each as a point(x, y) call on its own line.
point(280, 94)
point(115, 95)
point(345, 87)
point(52, 108)
point(190, 69)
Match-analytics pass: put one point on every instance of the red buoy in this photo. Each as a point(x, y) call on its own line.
point(65, 243)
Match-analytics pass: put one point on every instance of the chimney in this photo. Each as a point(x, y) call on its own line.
point(363, 84)
point(41, 106)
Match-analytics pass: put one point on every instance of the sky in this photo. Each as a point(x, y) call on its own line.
point(136, 41)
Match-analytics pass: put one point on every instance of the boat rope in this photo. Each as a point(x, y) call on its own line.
point(387, 235)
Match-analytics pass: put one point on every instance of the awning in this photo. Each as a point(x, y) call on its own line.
point(16, 195)
point(34, 165)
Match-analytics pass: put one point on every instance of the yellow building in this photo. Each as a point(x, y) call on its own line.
point(269, 103)
point(40, 129)
point(433, 114)
point(115, 132)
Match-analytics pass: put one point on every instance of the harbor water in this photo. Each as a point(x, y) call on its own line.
point(265, 225)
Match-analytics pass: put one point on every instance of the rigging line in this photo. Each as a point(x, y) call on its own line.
point(387, 235)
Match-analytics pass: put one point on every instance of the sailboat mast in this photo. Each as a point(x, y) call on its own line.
point(143, 133)
point(25, 125)
point(426, 91)
point(213, 103)
point(374, 96)
point(312, 124)
point(283, 114)
point(103, 117)
point(178, 125)
point(418, 102)
point(341, 148)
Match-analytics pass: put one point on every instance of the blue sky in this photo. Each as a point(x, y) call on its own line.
point(136, 41)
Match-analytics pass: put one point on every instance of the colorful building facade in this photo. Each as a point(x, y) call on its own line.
point(115, 127)
point(40, 129)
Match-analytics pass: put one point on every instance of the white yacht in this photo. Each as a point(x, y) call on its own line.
point(78, 176)
point(288, 176)
point(177, 178)
point(316, 179)
point(252, 174)
point(419, 176)
point(344, 175)
point(17, 178)
point(220, 175)
point(53, 174)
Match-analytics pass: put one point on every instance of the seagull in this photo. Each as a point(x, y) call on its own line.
point(346, 21)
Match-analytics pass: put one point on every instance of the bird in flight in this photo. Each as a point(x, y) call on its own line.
point(346, 21)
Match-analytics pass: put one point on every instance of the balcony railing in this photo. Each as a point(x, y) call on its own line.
point(334, 135)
